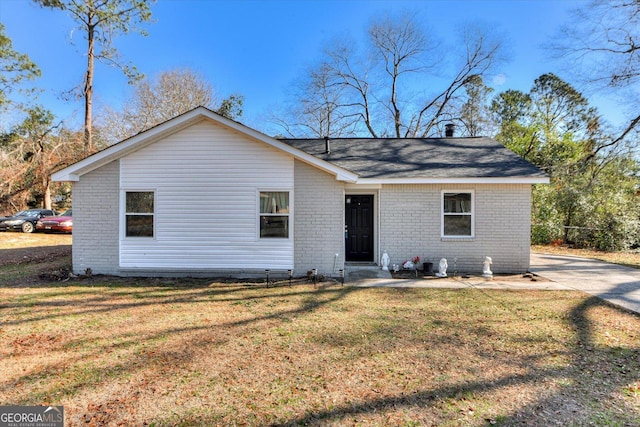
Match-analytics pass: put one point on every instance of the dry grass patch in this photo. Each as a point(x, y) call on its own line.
point(15, 240)
point(194, 352)
point(191, 352)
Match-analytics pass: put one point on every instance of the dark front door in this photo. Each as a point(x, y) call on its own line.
point(359, 228)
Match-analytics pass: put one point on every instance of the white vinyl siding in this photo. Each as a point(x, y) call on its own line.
point(207, 180)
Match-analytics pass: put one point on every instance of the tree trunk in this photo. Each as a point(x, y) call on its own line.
point(567, 224)
point(46, 196)
point(88, 88)
point(394, 102)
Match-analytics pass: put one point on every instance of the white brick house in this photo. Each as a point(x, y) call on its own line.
point(204, 195)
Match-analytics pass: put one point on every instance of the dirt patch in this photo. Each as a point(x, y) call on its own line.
point(36, 254)
point(26, 248)
point(35, 343)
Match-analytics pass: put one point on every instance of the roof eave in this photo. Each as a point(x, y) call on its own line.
point(454, 180)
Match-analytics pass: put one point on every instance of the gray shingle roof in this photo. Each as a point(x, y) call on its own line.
point(384, 158)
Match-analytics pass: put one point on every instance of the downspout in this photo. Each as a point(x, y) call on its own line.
point(344, 224)
point(379, 228)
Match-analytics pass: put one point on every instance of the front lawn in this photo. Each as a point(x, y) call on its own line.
point(192, 352)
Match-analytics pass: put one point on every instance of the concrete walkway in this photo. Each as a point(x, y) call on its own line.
point(615, 283)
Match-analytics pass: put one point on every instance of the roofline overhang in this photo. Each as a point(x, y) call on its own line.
point(453, 180)
point(137, 142)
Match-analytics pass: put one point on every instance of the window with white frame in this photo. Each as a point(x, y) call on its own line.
point(274, 214)
point(457, 214)
point(139, 213)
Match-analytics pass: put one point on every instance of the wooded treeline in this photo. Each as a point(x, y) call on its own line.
point(401, 81)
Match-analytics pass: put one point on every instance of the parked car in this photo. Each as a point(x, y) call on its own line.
point(61, 224)
point(24, 221)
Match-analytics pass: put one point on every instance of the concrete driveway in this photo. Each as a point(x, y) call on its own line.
point(615, 283)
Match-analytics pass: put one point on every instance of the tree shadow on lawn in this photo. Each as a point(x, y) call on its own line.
point(613, 369)
point(573, 402)
point(311, 302)
point(146, 291)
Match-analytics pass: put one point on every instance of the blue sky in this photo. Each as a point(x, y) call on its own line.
point(257, 48)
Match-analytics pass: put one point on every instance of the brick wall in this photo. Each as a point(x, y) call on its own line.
point(319, 220)
point(410, 225)
point(95, 221)
point(410, 221)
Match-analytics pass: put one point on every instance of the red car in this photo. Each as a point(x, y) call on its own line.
point(60, 224)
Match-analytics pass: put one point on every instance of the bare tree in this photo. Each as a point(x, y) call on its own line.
point(480, 52)
point(157, 100)
point(602, 44)
point(350, 75)
point(390, 88)
point(315, 109)
point(400, 45)
point(102, 21)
